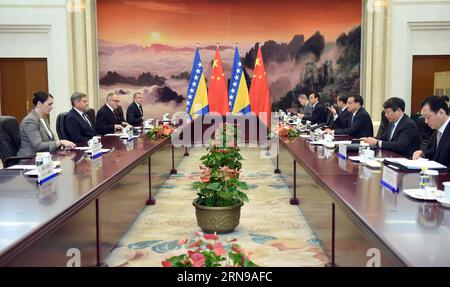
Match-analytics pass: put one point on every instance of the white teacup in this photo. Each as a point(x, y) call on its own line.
point(446, 189)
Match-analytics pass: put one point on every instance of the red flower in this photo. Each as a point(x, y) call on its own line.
point(218, 249)
point(211, 237)
point(205, 178)
point(166, 263)
point(182, 242)
point(198, 259)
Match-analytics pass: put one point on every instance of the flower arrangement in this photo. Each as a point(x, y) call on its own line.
point(160, 132)
point(207, 251)
point(219, 185)
point(286, 131)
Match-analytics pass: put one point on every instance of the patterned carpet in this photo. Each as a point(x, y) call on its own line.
point(274, 232)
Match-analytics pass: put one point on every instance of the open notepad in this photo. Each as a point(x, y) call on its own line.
point(414, 164)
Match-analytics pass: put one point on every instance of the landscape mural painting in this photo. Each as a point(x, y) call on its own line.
point(148, 47)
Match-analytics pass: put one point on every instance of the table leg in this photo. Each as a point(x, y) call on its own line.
point(294, 200)
point(186, 153)
point(150, 200)
point(333, 237)
point(277, 170)
point(173, 171)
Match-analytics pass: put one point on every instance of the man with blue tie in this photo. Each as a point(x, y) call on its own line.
point(79, 127)
point(436, 114)
point(360, 123)
point(402, 134)
point(135, 114)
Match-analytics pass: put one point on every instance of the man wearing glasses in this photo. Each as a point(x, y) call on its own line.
point(107, 120)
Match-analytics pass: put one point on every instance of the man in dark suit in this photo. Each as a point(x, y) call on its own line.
point(360, 123)
point(79, 128)
point(107, 120)
point(340, 119)
point(319, 113)
point(135, 114)
point(402, 134)
point(436, 114)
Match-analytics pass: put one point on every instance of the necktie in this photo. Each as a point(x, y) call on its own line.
point(391, 132)
point(438, 138)
point(87, 119)
point(142, 112)
point(353, 116)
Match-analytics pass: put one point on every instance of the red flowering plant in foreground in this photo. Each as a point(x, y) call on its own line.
point(160, 132)
point(219, 184)
point(208, 251)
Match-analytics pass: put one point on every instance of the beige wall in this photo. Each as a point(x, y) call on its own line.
point(394, 31)
point(61, 31)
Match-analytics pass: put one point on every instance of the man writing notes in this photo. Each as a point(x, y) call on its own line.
point(436, 114)
point(319, 113)
point(360, 123)
point(79, 127)
point(135, 113)
point(107, 121)
point(402, 134)
point(342, 118)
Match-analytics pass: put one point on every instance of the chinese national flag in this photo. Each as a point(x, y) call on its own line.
point(259, 91)
point(217, 91)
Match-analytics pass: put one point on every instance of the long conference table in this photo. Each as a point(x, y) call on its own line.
point(357, 221)
point(81, 214)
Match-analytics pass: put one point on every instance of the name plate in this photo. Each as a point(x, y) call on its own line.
point(96, 147)
point(44, 167)
point(368, 154)
point(342, 153)
point(45, 172)
point(390, 179)
point(130, 134)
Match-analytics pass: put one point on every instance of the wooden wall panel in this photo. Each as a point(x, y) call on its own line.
point(424, 68)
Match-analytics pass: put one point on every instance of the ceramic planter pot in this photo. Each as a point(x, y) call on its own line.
point(217, 219)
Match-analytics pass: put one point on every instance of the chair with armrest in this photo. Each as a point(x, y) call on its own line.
point(91, 115)
point(10, 141)
point(60, 126)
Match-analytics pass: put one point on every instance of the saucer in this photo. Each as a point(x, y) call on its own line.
point(444, 201)
point(419, 193)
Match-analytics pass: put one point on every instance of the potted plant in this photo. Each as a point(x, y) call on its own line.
point(208, 251)
point(220, 191)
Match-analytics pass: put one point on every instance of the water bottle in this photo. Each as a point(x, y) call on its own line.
point(424, 178)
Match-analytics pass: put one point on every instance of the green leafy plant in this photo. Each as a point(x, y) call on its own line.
point(207, 251)
point(219, 185)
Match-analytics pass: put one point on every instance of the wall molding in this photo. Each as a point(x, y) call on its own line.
point(25, 28)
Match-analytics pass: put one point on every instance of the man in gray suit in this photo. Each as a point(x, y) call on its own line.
point(306, 107)
point(35, 133)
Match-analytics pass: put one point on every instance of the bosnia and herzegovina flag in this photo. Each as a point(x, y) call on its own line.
point(238, 92)
point(197, 95)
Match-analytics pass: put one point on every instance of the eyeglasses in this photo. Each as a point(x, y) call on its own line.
point(116, 101)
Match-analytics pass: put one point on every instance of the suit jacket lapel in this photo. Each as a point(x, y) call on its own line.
point(83, 122)
point(397, 128)
point(443, 141)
